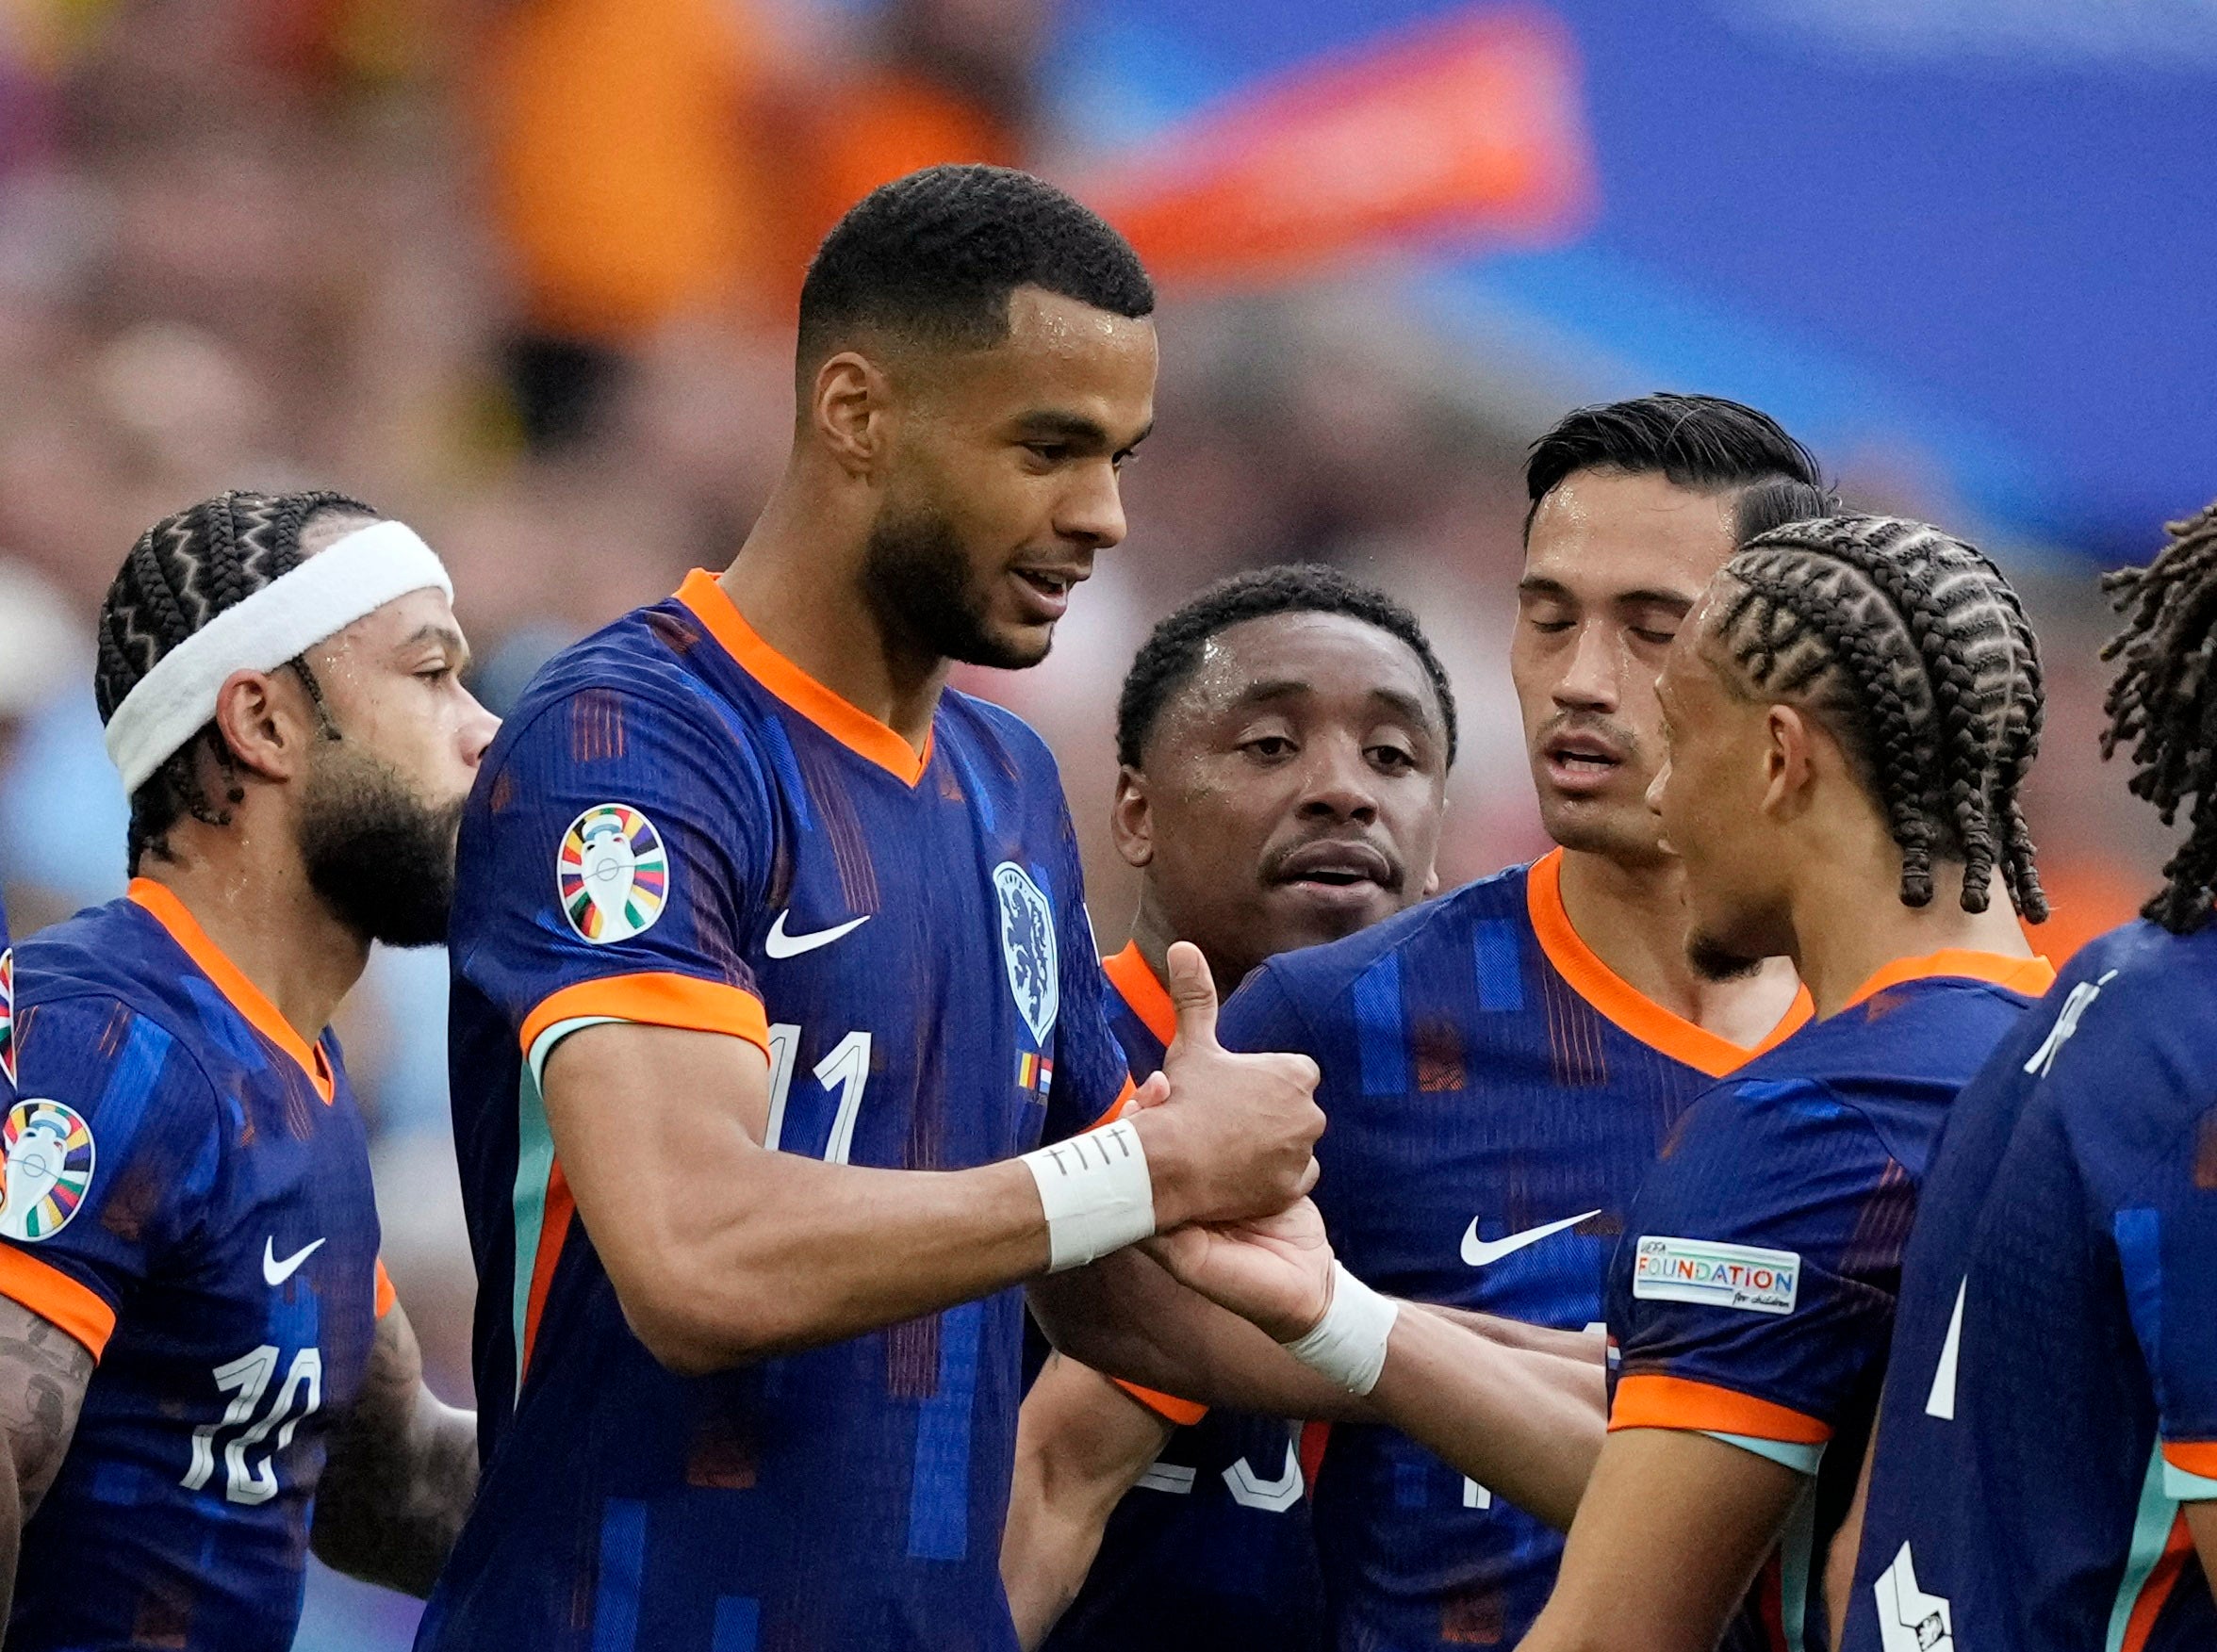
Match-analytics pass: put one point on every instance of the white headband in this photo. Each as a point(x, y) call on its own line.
point(353, 576)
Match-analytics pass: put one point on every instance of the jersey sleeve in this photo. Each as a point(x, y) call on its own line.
point(1755, 1288)
point(114, 1146)
point(1092, 1078)
point(611, 869)
point(2166, 1240)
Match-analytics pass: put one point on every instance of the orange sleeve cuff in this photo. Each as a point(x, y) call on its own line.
point(57, 1298)
point(655, 1000)
point(1116, 1107)
point(2197, 1457)
point(1677, 1402)
point(1170, 1409)
point(388, 1298)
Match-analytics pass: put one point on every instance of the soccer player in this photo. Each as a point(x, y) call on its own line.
point(1851, 711)
point(2046, 1470)
point(1502, 1065)
point(773, 971)
point(203, 1370)
point(1284, 741)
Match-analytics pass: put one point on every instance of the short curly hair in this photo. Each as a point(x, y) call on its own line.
point(932, 257)
point(1172, 653)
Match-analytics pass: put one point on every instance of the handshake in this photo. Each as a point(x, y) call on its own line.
point(1209, 1167)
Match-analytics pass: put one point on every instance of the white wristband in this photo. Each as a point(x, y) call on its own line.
point(1096, 1192)
point(1348, 1344)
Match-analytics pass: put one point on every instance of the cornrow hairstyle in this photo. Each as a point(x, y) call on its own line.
point(1915, 652)
point(932, 257)
point(1701, 442)
point(184, 571)
point(1174, 649)
point(2163, 706)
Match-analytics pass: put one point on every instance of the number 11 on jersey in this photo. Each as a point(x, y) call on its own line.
point(845, 1071)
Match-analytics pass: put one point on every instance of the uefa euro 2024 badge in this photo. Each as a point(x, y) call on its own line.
point(611, 874)
point(8, 1016)
point(48, 1150)
point(1027, 948)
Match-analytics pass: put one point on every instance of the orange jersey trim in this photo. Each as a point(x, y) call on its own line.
point(388, 1298)
point(1116, 1107)
point(1136, 984)
point(58, 1299)
point(249, 999)
point(1617, 1000)
point(2030, 976)
point(554, 1235)
point(655, 999)
point(2156, 1592)
point(846, 722)
point(1168, 1407)
point(1679, 1402)
point(2193, 1456)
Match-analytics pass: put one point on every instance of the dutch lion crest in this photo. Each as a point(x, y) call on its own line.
point(1027, 947)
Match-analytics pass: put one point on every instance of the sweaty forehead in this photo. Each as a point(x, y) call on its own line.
point(1602, 533)
point(1333, 656)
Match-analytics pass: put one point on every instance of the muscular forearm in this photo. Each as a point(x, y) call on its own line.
point(1527, 1425)
point(1126, 1317)
point(1080, 1445)
point(390, 1516)
point(400, 1473)
point(42, 1375)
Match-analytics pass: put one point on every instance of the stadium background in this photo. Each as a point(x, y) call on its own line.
point(521, 273)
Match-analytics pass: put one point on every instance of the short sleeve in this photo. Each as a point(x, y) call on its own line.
point(2166, 1240)
point(1092, 1077)
point(1755, 1286)
point(115, 1144)
point(610, 870)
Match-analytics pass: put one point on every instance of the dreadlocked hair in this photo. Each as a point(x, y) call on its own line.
point(184, 571)
point(1914, 651)
point(2163, 705)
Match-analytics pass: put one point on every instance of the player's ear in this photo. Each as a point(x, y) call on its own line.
point(1131, 818)
point(849, 407)
point(261, 726)
point(1789, 760)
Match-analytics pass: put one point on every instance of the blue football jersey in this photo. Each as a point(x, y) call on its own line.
point(1494, 1097)
point(1752, 1296)
point(2053, 1396)
point(186, 1193)
point(678, 828)
point(1213, 1550)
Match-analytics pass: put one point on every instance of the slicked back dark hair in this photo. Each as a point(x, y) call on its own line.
point(2163, 706)
point(932, 258)
point(1701, 442)
point(184, 571)
point(1914, 650)
point(1172, 653)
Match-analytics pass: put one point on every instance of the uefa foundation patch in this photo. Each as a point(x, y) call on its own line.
point(48, 1149)
point(1718, 1275)
point(611, 874)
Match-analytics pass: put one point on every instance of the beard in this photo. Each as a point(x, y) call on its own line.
point(380, 858)
point(1712, 960)
point(919, 585)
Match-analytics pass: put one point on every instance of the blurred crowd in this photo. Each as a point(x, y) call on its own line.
point(523, 272)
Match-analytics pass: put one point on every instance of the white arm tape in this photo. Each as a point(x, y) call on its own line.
point(1348, 1344)
point(1096, 1192)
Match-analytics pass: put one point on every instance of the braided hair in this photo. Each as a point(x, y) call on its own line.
point(184, 571)
point(1915, 652)
point(2163, 705)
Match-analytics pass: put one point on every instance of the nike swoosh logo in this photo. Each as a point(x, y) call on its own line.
point(779, 945)
point(1478, 1252)
point(277, 1272)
